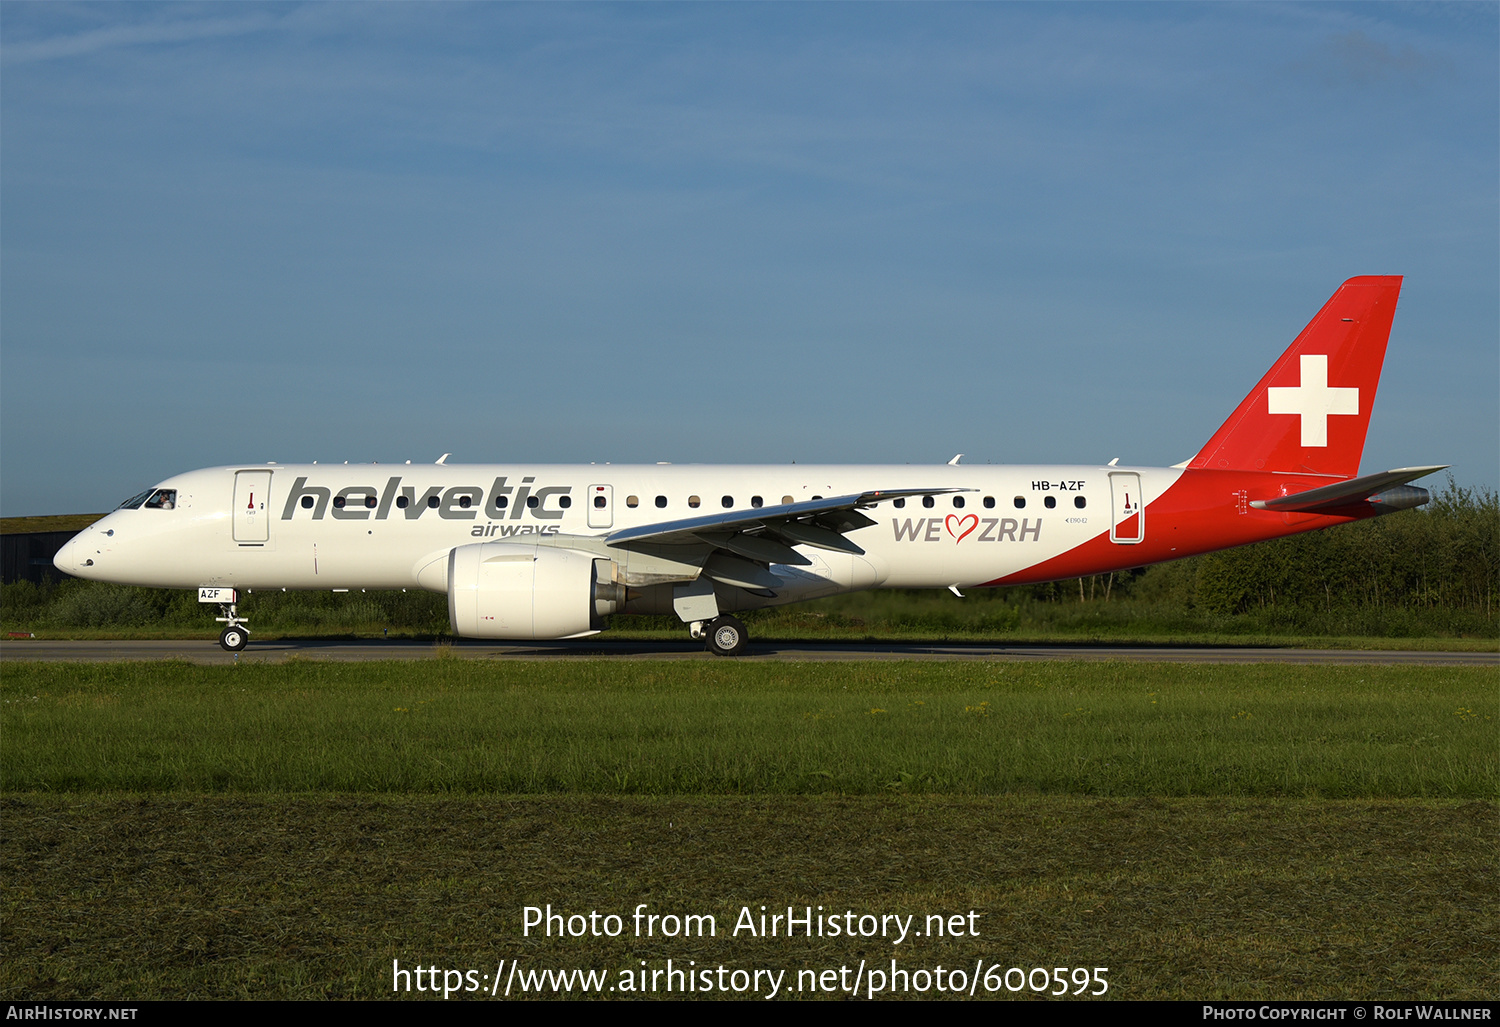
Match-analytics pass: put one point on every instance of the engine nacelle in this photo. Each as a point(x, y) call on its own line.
point(508, 590)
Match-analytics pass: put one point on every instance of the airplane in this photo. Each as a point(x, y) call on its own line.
point(529, 552)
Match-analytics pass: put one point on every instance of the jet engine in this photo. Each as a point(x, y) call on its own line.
point(510, 590)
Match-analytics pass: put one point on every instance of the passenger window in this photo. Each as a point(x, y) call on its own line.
point(599, 502)
point(928, 502)
point(958, 502)
point(694, 502)
point(307, 502)
point(401, 502)
point(726, 502)
point(1020, 502)
point(661, 502)
point(757, 502)
point(899, 504)
point(786, 500)
point(1080, 502)
point(464, 502)
point(532, 502)
point(369, 502)
point(432, 502)
point(1050, 502)
point(338, 502)
point(989, 502)
point(564, 501)
point(631, 501)
point(501, 502)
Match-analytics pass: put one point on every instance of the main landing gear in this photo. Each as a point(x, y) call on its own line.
point(726, 636)
point(698, 606)
point(236, 633)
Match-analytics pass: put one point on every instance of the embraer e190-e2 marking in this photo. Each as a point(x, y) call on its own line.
point(546, 552)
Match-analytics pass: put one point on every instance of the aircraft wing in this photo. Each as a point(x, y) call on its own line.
point(833, 516)
point(743, 543)
point(1377, 489)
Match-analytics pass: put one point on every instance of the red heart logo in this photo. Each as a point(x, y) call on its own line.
point(972, 520)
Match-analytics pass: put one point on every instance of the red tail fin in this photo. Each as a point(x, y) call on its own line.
point(1311, 410)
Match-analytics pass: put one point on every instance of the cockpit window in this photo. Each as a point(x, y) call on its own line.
point(134, 502)
point(162, 499)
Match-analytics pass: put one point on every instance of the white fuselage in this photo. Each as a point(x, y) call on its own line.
point(378, 526)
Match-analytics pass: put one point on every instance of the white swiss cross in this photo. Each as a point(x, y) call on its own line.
point(1314, 400)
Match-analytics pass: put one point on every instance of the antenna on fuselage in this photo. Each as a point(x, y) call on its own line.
point(955, 460)
point(443, 459)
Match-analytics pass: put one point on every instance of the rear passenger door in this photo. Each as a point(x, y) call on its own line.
point(1127, 522)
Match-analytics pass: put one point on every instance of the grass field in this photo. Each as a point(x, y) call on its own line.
point(605, 726)
point(288, 830)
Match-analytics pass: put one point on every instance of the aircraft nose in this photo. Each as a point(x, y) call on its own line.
point(66, 556)
point(70, 558)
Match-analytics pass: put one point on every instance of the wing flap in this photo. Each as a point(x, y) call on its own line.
point(757, 547)
point(734, 570)
point(821, 538)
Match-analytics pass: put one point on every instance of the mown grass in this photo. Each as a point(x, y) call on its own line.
point(286, 831)
point(601, 727)
point(191, 896)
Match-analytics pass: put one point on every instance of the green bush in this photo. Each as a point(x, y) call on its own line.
point(104, 605)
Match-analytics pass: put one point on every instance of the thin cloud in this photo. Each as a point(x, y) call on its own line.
point(118, 36)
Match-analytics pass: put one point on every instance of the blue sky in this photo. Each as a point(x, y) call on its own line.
point(739, 233)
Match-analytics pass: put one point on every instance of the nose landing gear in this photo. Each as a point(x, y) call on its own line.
point(234, 639)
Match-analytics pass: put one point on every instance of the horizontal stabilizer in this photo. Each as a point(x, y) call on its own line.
point(1372, 488)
